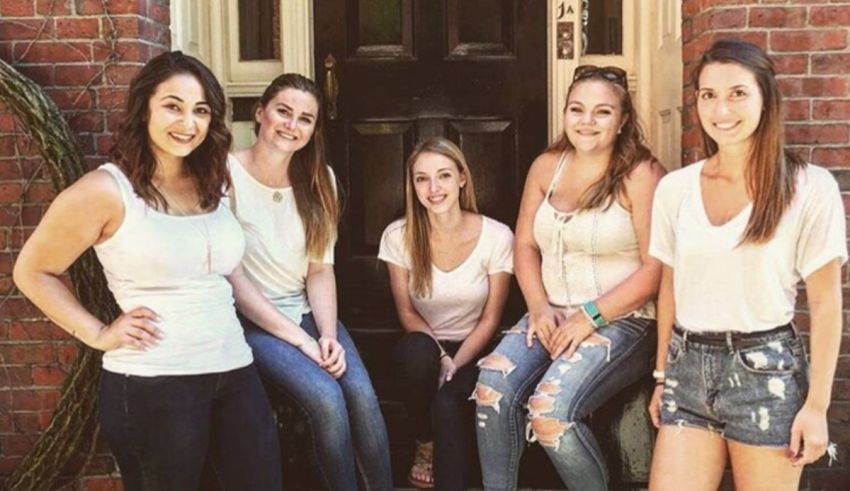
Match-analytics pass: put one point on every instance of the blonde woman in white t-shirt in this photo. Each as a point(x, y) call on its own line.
point(736, 233)
point(449, 269)
point(284, 197)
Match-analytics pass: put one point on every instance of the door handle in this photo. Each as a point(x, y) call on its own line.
point(331, 86)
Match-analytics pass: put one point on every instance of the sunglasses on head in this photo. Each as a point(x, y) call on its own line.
point(610, 73)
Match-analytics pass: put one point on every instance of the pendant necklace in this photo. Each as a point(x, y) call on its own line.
point(277, 196)
point(205, 233)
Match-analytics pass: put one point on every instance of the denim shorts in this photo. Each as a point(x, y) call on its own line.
point(746, 387)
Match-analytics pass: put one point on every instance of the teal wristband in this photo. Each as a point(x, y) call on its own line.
point(594, 314)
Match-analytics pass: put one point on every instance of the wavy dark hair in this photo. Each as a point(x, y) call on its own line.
point(207, 164)
point(629, 149)
point(771, 170)
point(312, 185)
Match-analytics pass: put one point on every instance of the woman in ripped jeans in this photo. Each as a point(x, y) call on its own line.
point(582, 264)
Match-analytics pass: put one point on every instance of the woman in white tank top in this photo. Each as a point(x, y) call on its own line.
point(588, 281)
point(449, 269)
point(178, 383)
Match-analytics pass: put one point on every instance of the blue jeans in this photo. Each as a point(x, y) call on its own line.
point(160, 430)
point(567, 391)
point(346, 426)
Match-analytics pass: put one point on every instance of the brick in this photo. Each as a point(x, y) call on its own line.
point(87, 122)
point(14, 377)
point(35, 400)
point(830, 16)
point(121, 74)
point(28, 354)
point(48, 376)
point(816, 134)
point(18, 307)
point(71, 99)
point(10, 192)
point(729, 18)
point(813, 86)
point(808, 40)
point(31, 422)
point(159, 12)
point(21, 29)
point(36, 331)
point(40, 192)
point(838, 63)
point(782, 17)
point(791, 64)
point(75, 28)
point(67, 353)
point(796, 110)
point(52, 52)
point(832, 157)
point(111, 98)
point(53, 7)
point(77, 75)
point(832, 109)
point(123, 27)
point(17, 9)
point(15, 445)
point(115, 7)
point(41, 74)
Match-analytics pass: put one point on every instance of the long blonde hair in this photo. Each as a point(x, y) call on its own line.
point(771, 172)
point(417, 232)
point(312, 184)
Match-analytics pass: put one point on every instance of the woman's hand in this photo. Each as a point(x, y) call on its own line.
point(135, 329)
point(541, 323)
point(333, 356)
point(569, 335)
point(310, 347)
point(809, 436)
point(655, 405)
point(447, 370)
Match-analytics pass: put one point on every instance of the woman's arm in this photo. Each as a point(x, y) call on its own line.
point(639, 287)
point(259, 310)
point(666, 314)
point(542, 318)
point(809, 434)
point(410, 319)
point(321, 293)
point(483, 331)
point(86, 213)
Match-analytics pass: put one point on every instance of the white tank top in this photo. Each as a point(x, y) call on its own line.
point(175, 266)
point(585, 253)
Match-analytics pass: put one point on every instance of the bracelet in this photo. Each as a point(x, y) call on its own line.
point(593, 313)
point(658, 374)
point(444, 354)
point(660, 382)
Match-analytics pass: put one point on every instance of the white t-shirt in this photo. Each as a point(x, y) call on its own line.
point(275, 244)
point(719, 285)
point(457, 296)
point(175, 266)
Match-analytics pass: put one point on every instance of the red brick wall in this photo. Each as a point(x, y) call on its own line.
point(83, 52)
point(809, 41)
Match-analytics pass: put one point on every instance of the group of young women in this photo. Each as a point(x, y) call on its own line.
point(222, 265)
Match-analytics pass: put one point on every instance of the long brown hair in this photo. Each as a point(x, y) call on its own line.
point(315, 195)
point(771, 170)
point(207, 164)
point(629, 149)
point(417, 232)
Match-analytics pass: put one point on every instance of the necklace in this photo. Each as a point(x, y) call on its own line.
point(205, 232)
point(277, 196)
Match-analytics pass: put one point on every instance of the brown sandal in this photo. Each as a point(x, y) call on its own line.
point(422, 466)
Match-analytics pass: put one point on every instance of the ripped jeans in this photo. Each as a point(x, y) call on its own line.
point(567, 391)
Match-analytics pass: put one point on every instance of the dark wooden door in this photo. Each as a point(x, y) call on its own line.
point(470, 70)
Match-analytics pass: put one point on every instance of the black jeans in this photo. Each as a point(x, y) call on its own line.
point(447, 415)
point(161, 429)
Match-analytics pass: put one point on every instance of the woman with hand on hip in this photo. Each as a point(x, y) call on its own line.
point(736, 233)
point(449, 270)
point(588, 281)
point(284, 196)
point(178, 382)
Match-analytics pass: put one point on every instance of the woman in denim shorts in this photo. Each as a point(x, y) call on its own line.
point(736, 233)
